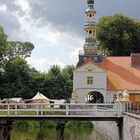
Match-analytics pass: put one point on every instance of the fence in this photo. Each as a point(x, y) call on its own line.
point(133, 108)
point(68, 110)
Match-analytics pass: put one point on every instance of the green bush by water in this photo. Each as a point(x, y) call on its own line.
point(51, 124)
point(77, 124)
point(34, 124)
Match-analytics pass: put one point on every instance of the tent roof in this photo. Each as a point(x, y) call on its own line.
point(39, 96)
point(17, 100)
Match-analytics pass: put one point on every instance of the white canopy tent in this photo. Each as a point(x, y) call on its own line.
point(12, 100)
point(39, 98)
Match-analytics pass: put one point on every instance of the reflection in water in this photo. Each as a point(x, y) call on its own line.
point(50, 134)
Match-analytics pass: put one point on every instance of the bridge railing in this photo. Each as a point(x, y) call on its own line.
point(133, 107)
point(69, 110)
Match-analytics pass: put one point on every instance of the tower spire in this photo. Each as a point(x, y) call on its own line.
point(90, 50)
point(90, 46)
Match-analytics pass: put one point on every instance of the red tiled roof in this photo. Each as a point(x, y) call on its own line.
point(120, 73)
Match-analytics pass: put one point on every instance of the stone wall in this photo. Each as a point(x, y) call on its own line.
point(131, 128)
point(108, 128)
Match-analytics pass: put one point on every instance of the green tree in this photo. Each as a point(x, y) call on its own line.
point(15, 75)
point(17, 80)
point(3, 40)
point(57, 83)
point(68, 71)
point(54, 83)
point(118, 35)
point(68, 74)
point(38, 81)
point(19, 49)
point(12, 49)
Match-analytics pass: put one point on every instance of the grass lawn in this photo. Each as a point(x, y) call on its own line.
point(50, 111)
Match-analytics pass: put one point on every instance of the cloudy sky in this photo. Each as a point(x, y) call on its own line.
point(55, 27)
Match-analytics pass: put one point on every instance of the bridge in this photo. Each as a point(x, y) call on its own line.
point(59, 112)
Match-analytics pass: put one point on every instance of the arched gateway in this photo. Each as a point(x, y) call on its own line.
point(95, 97)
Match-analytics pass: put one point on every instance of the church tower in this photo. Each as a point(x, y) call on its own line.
point(89, 80)
point(90, 46)
point(90, 50)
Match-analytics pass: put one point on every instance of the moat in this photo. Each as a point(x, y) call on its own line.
point(50, 134)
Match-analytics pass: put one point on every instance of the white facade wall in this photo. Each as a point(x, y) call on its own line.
point(82, 88)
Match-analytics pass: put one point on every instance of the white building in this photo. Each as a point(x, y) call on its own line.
point(99, 78)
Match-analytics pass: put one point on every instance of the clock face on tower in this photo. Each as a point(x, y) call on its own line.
point(95, 58)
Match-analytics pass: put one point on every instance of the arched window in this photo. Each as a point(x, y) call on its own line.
point(90, 32)
point(95, 97)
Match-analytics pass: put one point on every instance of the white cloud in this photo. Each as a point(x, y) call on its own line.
point(58, 62)
point(74, 55)
point(43, 64)
point(25, 7)
point(50, 36)
point(3, 7)
point(23, 4)
point(40, 64)
point(61, 48)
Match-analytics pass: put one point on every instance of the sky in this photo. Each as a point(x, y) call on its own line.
point(56, 27)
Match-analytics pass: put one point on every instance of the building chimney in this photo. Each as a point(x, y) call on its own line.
point(135, 59)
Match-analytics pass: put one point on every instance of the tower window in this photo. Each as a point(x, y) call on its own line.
point(89, 80)
point(90, 15)
point(90, 32)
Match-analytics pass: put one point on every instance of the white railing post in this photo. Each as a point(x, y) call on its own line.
point(95, 110)
point(116, 109)
point(15, 109)
point(67, 109)
point(8, 106)
point(122, 108)
point(37, 111)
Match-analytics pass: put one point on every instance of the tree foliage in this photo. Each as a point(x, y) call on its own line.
point(118, 35)
point(12, 49)
point(3, 40)
point(58, 83)
point(19, 49)
point(18, 79)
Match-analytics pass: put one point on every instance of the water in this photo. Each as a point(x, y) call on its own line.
point(50, 134)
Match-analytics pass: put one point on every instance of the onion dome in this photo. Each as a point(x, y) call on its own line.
point(90, 1)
